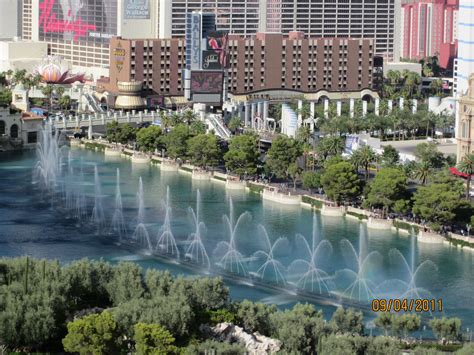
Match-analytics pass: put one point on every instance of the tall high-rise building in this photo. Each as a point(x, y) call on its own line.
point(10, 18)
point(375, 19)
point(465, 58)
point(337, 18)
point(80, 31)
point(239, 17)
point(428, 27)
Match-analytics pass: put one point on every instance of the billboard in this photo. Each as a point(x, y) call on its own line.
point(61, 20)
point(206, 82)
point(136, 9)
point(215, 57)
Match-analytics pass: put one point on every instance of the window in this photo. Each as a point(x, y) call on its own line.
point(32, 137)
point(2, 127)
point(14, 131)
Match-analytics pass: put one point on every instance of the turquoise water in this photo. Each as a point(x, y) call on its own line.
point(31, 225)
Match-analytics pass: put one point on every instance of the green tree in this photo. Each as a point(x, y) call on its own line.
point(340, 182)
point(422, 171)
point(283, 152)
point(303, 134)
point(93, 334)
point(428, 152)
point(342, 345)
point(311, 180)
point(126, 134)
point(234, 124)
point(255, 317)
point(390, 156)
point(65, 102)
point(214, 347)
point(126, 283)
point(347, 321)
point(388, 186)
point(299, 329)
point(406, 323)
point(204, 150)
point(295, 172)
point(242, 156)
point(446, 328)
point(188, 117)
point(330, 146)
point(383, 345)
point(153, 339)
point(150, 138)
point(175, 142)
point(197, 127)
point(441, 201)
point(363, 158)
point(466, 166)
point(384, 320)
point(47, 91)
point(111, 131)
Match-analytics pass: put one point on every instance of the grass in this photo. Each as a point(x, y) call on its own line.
point(460, 243)
point(358, 215)
point(255, 188)
point(219, 178)
point(95, 146)
point(313, 202)
point(406, 226)
point(186, 169)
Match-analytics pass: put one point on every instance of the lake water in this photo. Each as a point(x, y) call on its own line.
point(31, 225)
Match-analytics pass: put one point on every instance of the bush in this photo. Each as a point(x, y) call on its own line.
point(214, 347)
point(153, 339)
point(94, 334)
point(299, 329)
point(342, 345)
point(446, 328)
point(255, 317)
point(347, 321)
point(383, 345)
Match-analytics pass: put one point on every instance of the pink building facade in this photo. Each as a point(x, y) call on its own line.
point(429, 27)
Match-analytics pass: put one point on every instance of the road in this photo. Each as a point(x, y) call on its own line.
point(408, 146)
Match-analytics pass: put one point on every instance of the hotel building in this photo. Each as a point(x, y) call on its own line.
point(429, 27)
point(264, 63)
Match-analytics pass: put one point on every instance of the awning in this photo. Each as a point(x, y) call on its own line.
point(456, 172)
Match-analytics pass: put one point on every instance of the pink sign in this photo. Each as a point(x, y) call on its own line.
point(50, 23)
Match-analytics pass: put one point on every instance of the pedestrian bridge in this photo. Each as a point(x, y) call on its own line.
point(101, 119)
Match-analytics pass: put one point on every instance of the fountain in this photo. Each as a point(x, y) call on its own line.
point(270, 269)
point(411, 274)
point(80, 212)
point(230, 258)
point(98, 217)
point(47, 169)
point(166, 242)
point(361, 263)
point(196, 251)
point(68, 184)
point(307, 273)
point(118, 223)
point(141, 233)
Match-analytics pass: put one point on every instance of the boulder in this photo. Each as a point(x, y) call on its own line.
point(255, 343)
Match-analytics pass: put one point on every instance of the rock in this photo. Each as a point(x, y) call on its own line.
point(255, 343)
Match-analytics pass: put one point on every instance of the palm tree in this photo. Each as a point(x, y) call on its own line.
point(466, 166)
point(412, 82)
point(363, 158)
point(65, 102)
point(422, 171)
point(48, 92)
point(436, 87)
point(188, 117)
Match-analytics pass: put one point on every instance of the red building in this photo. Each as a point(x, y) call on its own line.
point(429, 28)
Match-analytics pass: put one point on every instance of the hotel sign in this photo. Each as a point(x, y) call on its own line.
point(195, 42)
point(137, 9)
point(119, 56)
